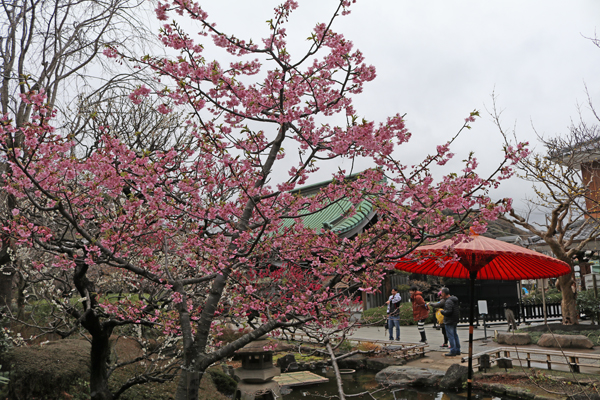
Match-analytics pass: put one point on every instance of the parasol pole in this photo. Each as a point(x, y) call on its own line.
point(473, 276)
point(544, 301)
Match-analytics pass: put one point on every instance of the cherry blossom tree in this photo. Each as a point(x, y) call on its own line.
point(215, 224)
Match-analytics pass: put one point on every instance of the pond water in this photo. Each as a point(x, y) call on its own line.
point(362, 381)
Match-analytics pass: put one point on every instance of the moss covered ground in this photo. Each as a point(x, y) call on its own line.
point(60, 370)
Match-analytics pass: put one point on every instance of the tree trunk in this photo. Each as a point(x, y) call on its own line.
point(336, 370)
point(188, 386)
point(7, 272)
point(100, 332)
point(189, 380)
point(570, 314)
point(99, 366)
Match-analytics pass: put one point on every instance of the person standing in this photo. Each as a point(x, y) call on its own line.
point(451, 314)
point(393, 313)
point(440, 318)
point(420, 311)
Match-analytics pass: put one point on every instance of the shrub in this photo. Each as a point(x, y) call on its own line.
point(588, 303)
point(5, 339)
point(535, 297)
point(345, 346)
point(431, 316)
point(406, 314)
point(422, 286)
point(47, 371)
point(368, 346)
point(223, 382)
point(378, 316)
point(403, 288)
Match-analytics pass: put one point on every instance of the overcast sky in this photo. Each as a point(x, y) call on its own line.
point(438, 60)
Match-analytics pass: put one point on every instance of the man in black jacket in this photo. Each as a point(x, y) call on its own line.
point(451, 313)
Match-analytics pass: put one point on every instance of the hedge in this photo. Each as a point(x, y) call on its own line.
point(377, 316)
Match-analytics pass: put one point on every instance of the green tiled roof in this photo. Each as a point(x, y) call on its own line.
point(333, 218)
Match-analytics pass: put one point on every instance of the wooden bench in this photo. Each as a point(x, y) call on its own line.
point(547, 357)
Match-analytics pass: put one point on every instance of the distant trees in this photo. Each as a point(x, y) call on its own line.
point(50, 59)
point(566, 181)
point(52, 48)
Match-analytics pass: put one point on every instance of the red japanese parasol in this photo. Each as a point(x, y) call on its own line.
point(490, 258)
point(482, 258)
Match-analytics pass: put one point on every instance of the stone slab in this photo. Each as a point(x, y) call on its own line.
point(514, 339)
point(565, 341)
point(401, 376)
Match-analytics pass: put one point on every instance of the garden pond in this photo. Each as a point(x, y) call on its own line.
point(362, 381)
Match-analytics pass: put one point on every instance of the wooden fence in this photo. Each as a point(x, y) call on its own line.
point(379, 298)
point(525, 312)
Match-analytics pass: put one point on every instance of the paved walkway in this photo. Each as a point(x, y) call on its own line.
point(410, 334)
point(434, 353)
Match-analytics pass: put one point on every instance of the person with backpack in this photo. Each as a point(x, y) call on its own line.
point(451, 313)
point(440, 317)
point(420, 311)
point(393, 313)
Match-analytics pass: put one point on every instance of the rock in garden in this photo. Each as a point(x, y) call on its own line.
point(357, 361)
point(284, 362)
point(378, 364)
point(549, 340)
point(497, 388)
point(455, 376)
point(401, 376)
point(514, 338)
point(565, 341)
point(519, 393)
point(585, 396)
point(581, 342)
point(293, 367)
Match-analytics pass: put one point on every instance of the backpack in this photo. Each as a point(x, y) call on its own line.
point(439, 316)
point(395, 309)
